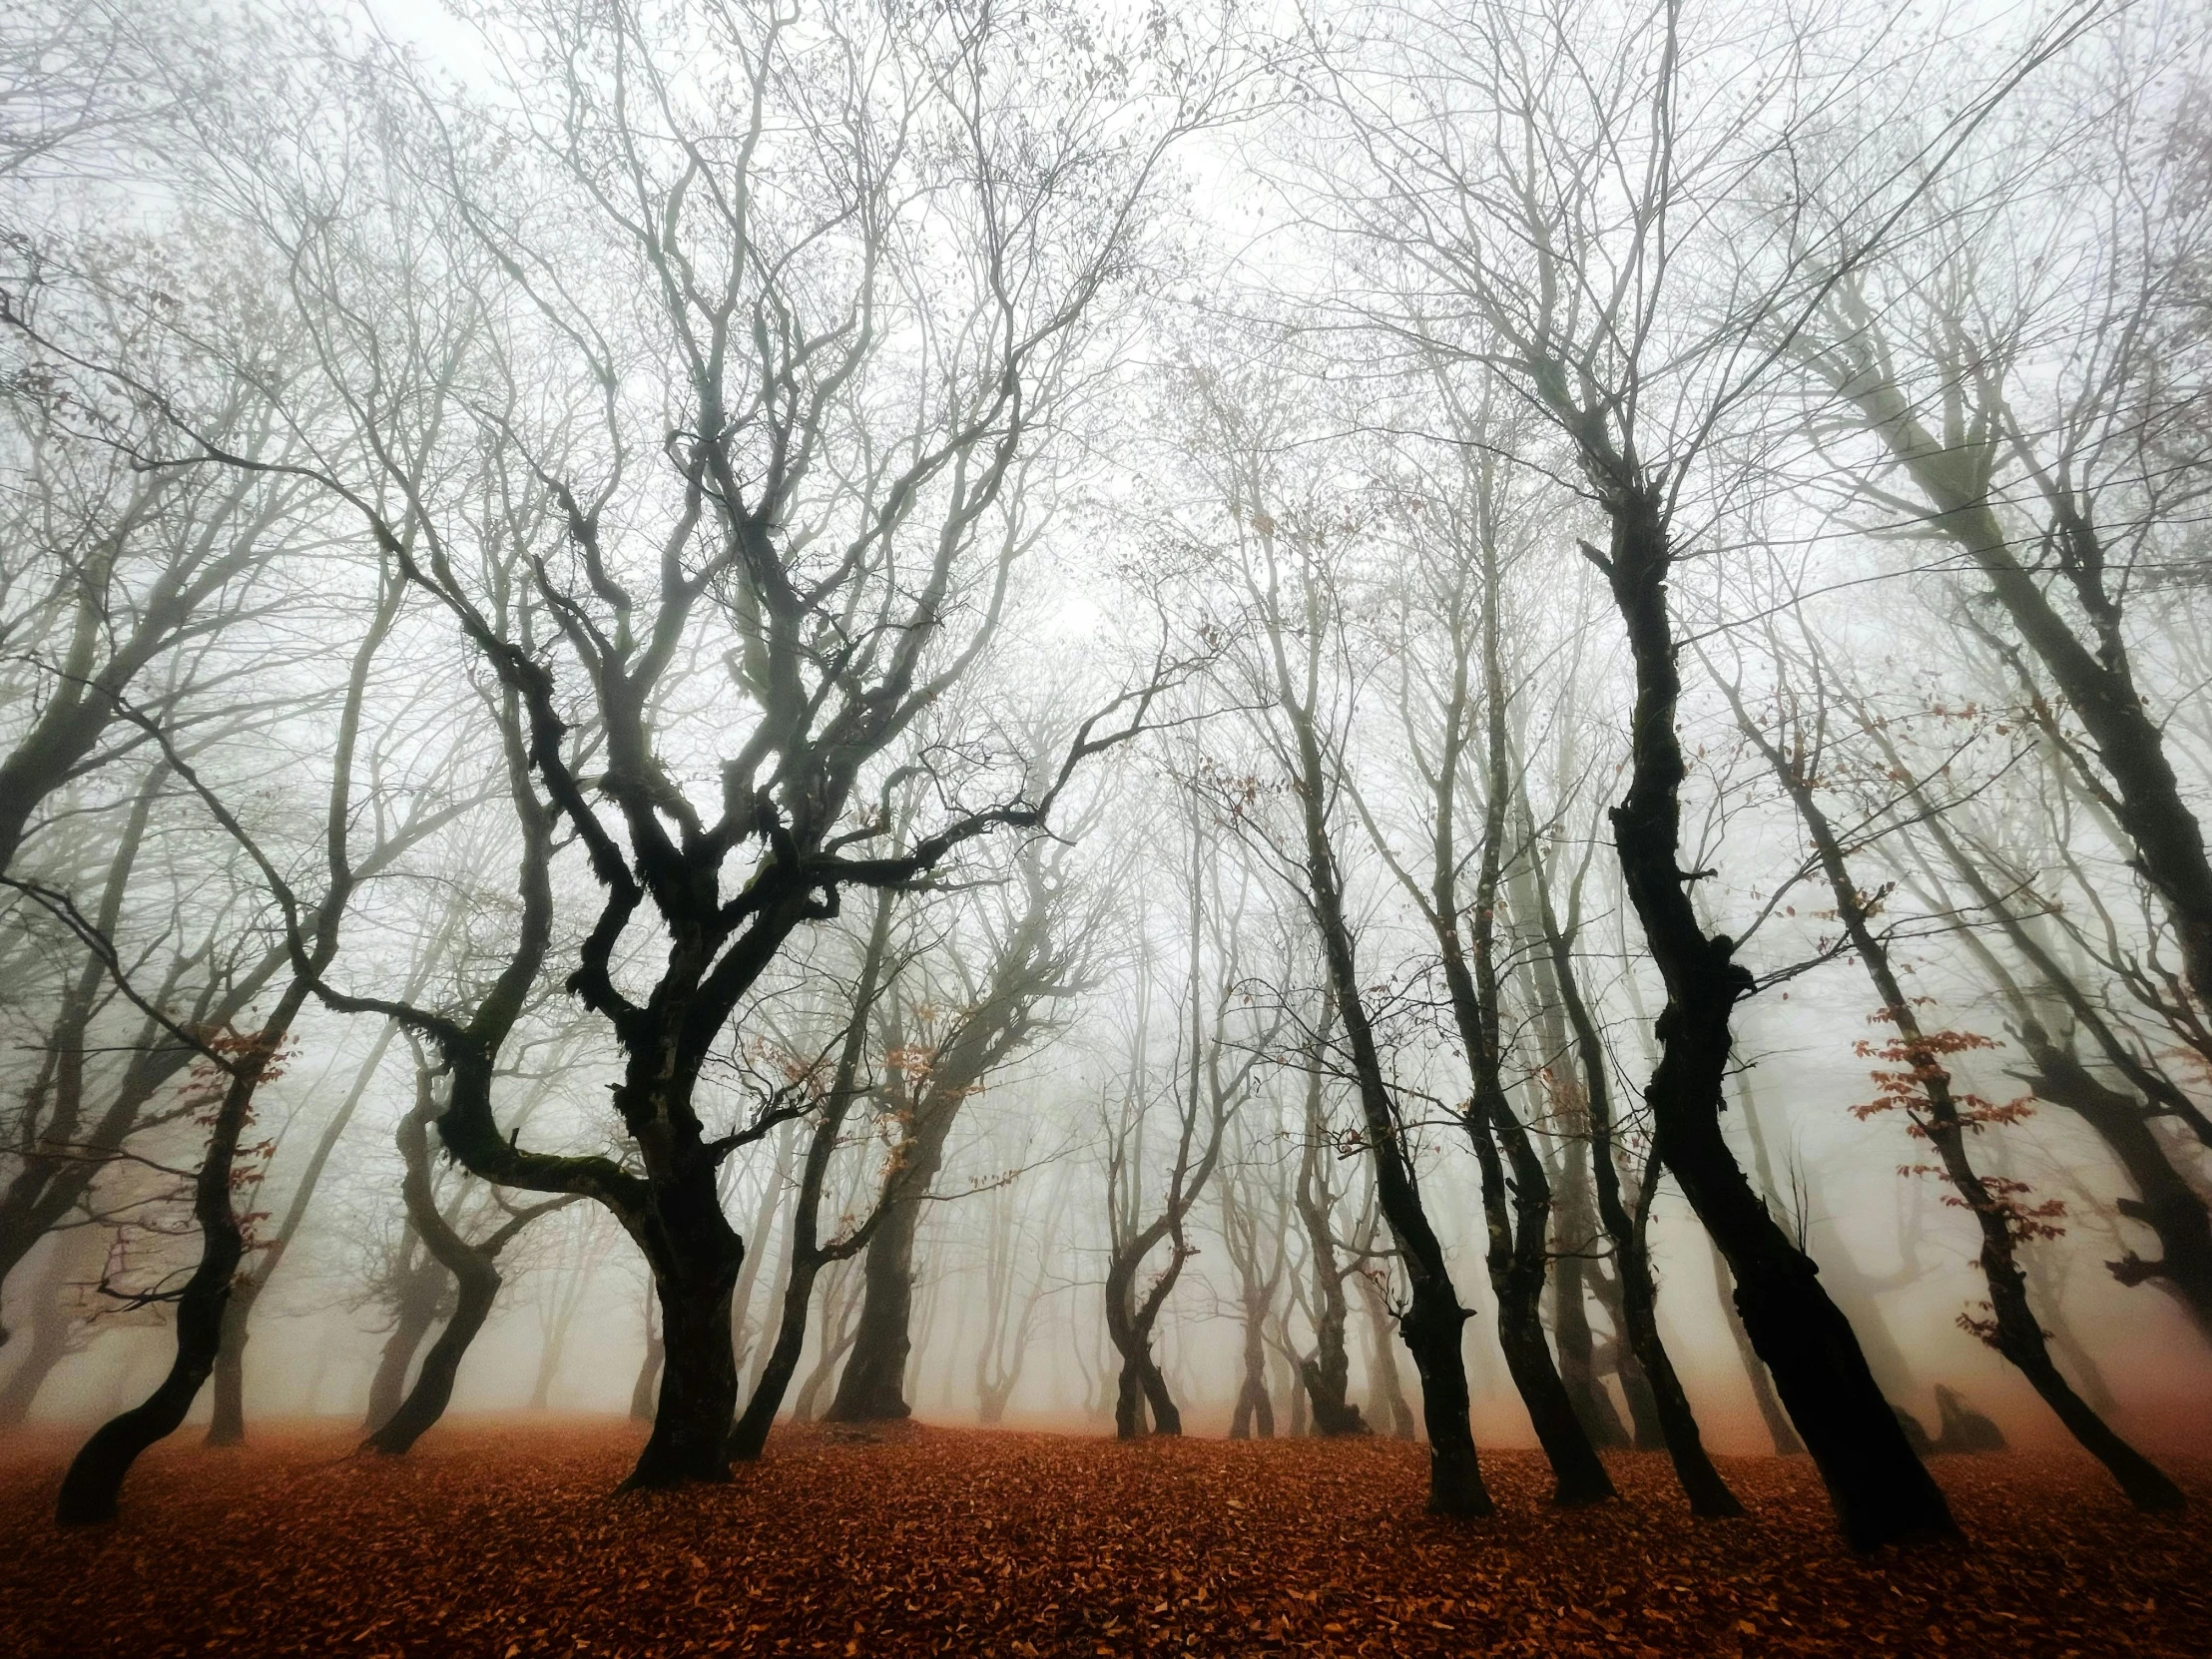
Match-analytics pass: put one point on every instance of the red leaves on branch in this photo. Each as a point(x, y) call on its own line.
point(497, 1540)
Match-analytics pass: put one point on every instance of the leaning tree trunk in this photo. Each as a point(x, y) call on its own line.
point(1945, 1118)
point(475, 1276)
point(2165, 1203)
point(95, 1478)
point(1881, 1492)
point(1574, 1231)
point(422, 1294)
point(1434, 1319)
point(1516, 1207)
point(228, 1426)
point(750, 1434)
point(1649, 1383)
point(477, 1289)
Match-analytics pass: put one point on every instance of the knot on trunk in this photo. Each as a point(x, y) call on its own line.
point(2131, 1268)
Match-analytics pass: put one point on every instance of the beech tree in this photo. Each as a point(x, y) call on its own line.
point(853, 284)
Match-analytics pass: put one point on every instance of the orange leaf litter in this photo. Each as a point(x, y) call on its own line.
point(507, 1540)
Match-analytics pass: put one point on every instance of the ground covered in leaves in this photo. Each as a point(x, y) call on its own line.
point(507, 1540)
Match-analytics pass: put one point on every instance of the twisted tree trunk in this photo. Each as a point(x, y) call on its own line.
point(1881, 1492)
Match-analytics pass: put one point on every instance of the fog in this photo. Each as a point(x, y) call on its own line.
point(1480, 723)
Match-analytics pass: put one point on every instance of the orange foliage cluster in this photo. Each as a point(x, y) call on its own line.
point(507, 1541)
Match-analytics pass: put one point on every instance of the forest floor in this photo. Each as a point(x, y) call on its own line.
point(504, 1538)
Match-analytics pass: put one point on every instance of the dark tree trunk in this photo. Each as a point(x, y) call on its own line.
point(1881, 1492)
point(750, 1434)
point(1657, 1402)
point(805, 1256)
point(95, 1478)
point(2166, 1203)
point(476, 1290)
point(871, 1389)
point(1570, 1313)
point(2095, 677)
point(1142, 1402)
point(419, 1309)
point(834, 1348)
point(476, 1278)
point(699, 1380)
point(2014, 1332)
point(1326, 1376)
point(227, 1426)
point(1433, 1323)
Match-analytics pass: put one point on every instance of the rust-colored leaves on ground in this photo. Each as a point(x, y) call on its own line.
point(507, 1540)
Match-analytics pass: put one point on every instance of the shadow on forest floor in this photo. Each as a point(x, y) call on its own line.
point(503, 1537)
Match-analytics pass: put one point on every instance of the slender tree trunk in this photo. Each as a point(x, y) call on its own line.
point(837, 1341)
point(2165, 1203)
point(750, 1434)
point(51, 1319)
point(1328, 1375)
point(805, 1256)
point(1649, 1383)
point(228, 1426)
point(2014, 1332)
point(417, 1312)
point(95, 1478)
point(476, 1290)
point(1574, 1229)
point(649, 1372)
point(1434, 1322)
point(1786, 1442)
point(1434, 1319)
point(1881, 1492)
point(475, 1276)
point(2098, 683)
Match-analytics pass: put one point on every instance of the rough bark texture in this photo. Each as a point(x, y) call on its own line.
point(1883, 1493)
point(872, 1386)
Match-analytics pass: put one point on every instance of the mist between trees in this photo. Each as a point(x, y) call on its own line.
point(1481, 721)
